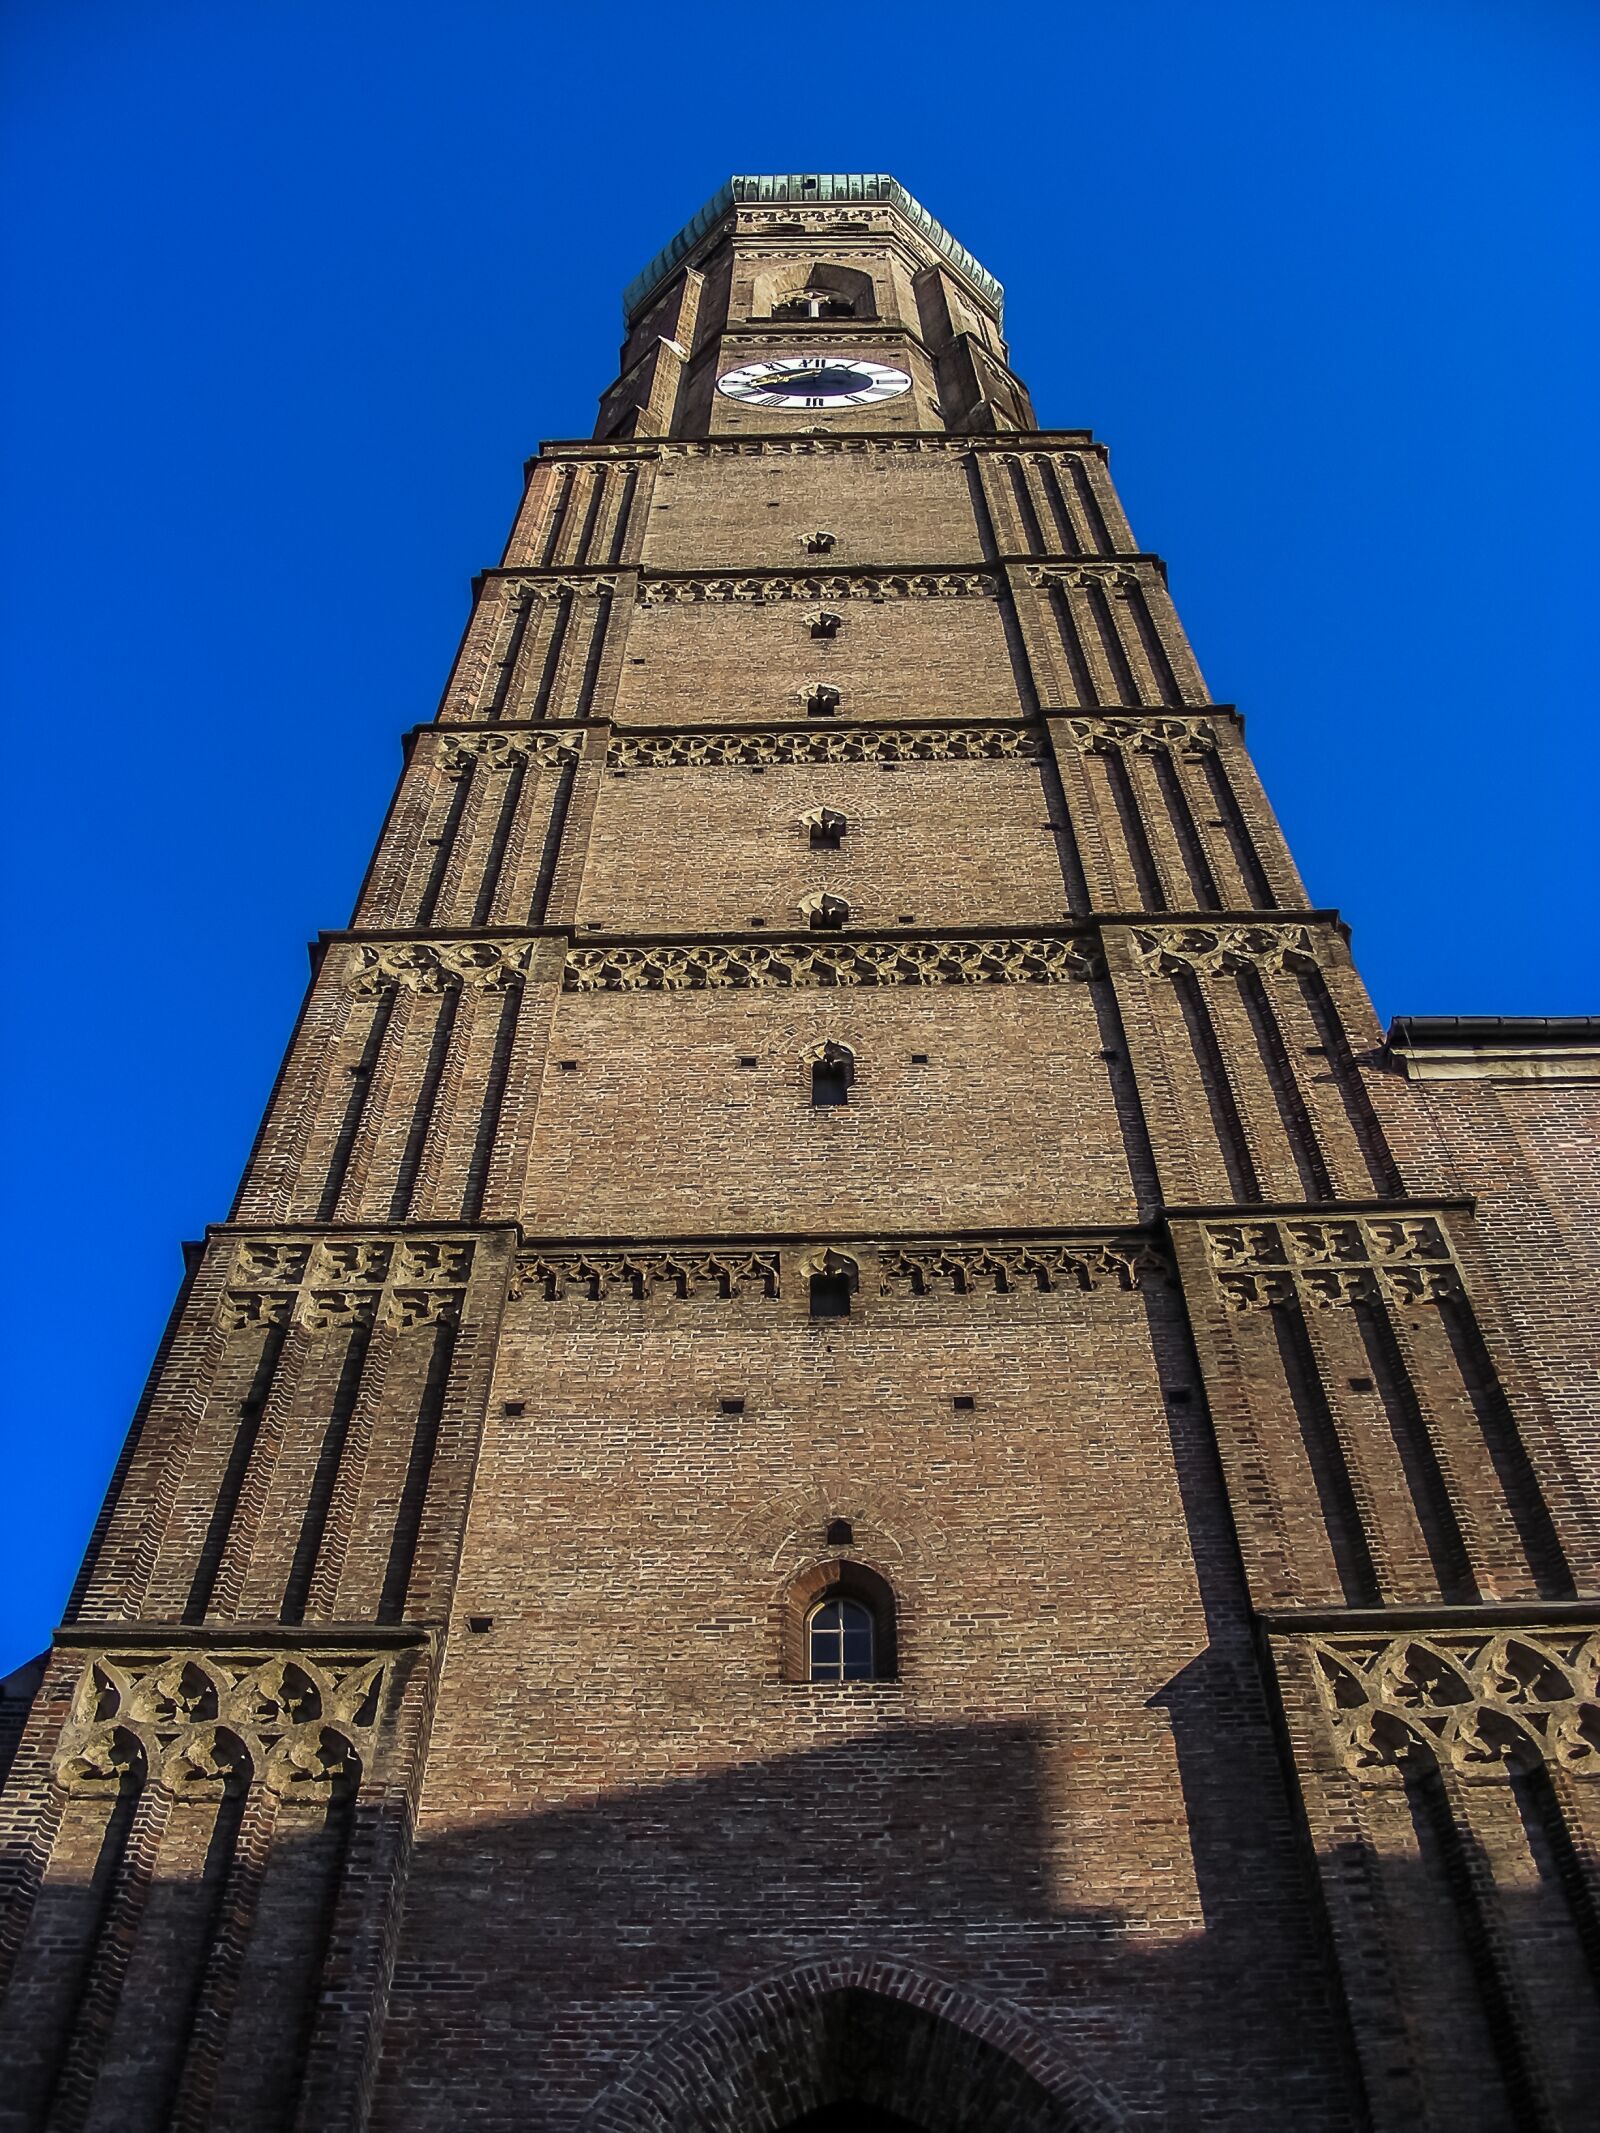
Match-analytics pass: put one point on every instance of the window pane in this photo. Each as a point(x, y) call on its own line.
point(841, 1640)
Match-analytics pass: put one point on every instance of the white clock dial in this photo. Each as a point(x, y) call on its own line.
point(814, 382)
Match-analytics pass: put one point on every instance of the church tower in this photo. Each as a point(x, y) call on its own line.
point(854, 1457)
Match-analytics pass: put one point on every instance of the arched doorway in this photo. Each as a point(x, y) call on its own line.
point(852, 2046)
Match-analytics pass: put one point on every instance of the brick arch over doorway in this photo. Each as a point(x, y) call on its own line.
point(897, 2042)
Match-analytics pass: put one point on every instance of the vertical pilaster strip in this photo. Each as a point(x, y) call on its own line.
point(1253, 830)
point(1169, 632)
point(1041, 635)
point(123, 1558)
point(473, 685)
point(1083, 813)
point(385, 898)
point(1108, 503)
point(566, 880)
point(1237, 1070)
point(353, 1190)
point(506, 1186)
point(1162, 832)
point(1339, 1367)
point(275, 1180)
point(194, 2106)
point(346, 2031)
point(79, 2070)
point(216, 1592)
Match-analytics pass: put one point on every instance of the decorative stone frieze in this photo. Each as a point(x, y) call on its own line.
point(344, 1283)
point(438, 966)
point(857, 744)
point(543, 588)
point(204, 1723)
point(600, 1276)
point(767, 587)
point(1402, 1259)
point(1017, 960)
point(1117, 578)
point(1139, 736)
point(1004, 1267)
point(1169, 951)
point(460, 752)
point(1481, 1704)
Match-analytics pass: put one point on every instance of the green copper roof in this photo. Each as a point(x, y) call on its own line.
point(809, 189)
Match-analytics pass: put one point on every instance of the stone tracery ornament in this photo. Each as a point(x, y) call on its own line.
point(1007, 1268)
point(1120, 579)
point(207, 1722)
point(860, 744)
point(1171, 951)
point(346, 1283)
point(459, 752)
point(1140, 736)
point(536, 588)
point(1017, 960)
point(437, 966)
point(600, 1276)
point(1482, 1703)
point(762, 588)
point(1328, 1261)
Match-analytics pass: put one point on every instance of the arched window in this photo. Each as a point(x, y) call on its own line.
point(833, 1068)
point(840, 1640)
point(831, 1278)
point(824, 912)
point(836, 1623)
point(826, 826)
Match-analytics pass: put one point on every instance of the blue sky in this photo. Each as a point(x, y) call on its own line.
point(292, 291)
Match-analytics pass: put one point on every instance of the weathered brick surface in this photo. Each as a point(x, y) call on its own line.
point(430, 1743)
point(934, 654)
point(927, 843)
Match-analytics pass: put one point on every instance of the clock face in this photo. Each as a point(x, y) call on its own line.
point(813, 381)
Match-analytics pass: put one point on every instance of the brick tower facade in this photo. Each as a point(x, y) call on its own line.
point(857, 1455)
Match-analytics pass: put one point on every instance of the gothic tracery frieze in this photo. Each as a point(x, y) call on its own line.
point(757, 588)
point(459, 752)
point(203, 1723)
point(1014, 960)
point(438, 966)
point(1326, 1261)
point(1139, 736)
point(1481, 1704)
point(1170, 951)
point(347, 1282)
point(860, 744)
point(1004, 1267)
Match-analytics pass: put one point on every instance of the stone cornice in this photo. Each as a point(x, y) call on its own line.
point(586, 580)
point(899, 1268)
point(1272, 923)
point(1104, 715)
point(752, 443)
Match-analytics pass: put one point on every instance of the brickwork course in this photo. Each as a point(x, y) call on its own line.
point(835, 1106)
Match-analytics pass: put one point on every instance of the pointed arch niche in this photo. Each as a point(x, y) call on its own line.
point(873, 2045)
point(802, 290)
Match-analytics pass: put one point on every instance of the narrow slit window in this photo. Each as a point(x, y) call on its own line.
point(830, 1296)
point(830, 1082)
